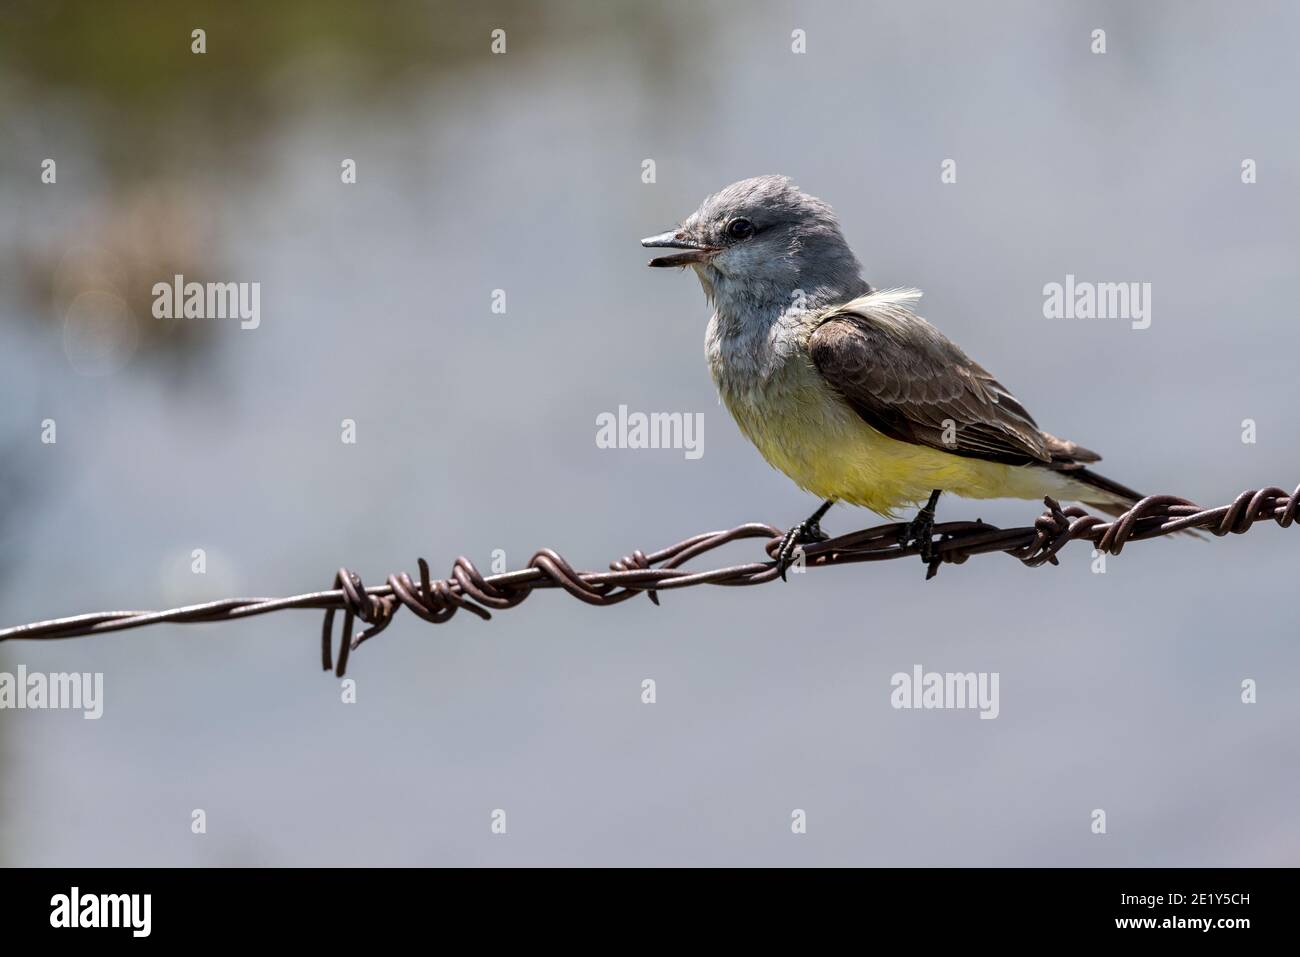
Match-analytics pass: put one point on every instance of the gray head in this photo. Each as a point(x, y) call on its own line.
point(756, 242)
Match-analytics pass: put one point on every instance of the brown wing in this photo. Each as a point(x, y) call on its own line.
point(906, 380)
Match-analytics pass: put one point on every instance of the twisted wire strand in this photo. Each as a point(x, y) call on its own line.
point(466, 588)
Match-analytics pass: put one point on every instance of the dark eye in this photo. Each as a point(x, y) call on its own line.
point(740, 229)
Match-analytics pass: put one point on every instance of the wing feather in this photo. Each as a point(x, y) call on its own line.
point(908, 381)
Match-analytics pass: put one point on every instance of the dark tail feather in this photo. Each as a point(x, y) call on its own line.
point(1101, 483)
point(1113, 507)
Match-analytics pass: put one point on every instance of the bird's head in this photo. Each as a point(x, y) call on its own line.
point(761, 240)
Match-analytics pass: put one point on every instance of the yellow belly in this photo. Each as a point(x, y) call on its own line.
point(806, 431)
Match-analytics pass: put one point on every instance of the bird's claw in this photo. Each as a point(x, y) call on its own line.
point(805, 533)
point(920, 532)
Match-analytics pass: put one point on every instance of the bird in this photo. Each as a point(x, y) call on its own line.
point(845, 388)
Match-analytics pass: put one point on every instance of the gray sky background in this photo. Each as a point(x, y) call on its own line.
point(476, 432)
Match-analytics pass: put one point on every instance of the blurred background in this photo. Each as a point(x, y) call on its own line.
point(475, 430)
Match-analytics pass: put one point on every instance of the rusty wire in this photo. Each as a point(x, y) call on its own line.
point(437, 601)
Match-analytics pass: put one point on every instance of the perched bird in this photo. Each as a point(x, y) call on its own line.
point(845, 388)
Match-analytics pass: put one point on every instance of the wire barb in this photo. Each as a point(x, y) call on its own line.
point(438, 601)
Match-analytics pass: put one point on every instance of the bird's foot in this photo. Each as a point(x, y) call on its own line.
point(920, 531)
point(805, 533)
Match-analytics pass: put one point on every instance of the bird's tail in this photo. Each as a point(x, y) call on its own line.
point(1109, 497)
point(1103, 494)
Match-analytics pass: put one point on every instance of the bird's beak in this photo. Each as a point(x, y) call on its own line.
point(676, 239)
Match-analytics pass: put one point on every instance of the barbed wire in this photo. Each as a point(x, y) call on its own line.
point(437, 601)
